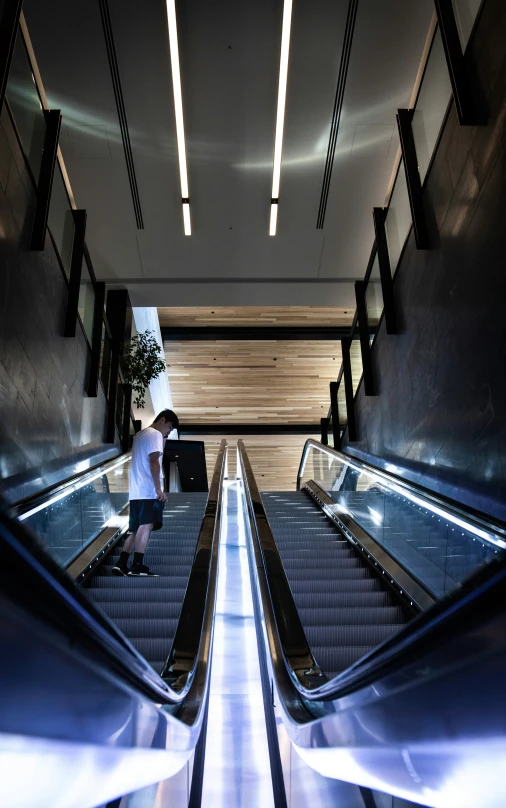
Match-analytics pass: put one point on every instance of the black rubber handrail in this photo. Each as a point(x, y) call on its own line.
point(475, 517)
point(33, 580)
point(467, 607)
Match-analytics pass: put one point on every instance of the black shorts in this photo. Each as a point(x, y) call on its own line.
point(146, 512)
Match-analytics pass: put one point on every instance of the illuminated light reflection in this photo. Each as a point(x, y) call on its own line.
point(280, 116)
point(178, 109)
point(274, 219)
point(71, 490)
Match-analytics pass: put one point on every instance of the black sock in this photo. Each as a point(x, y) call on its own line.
point(123, 559)
point(138, 558)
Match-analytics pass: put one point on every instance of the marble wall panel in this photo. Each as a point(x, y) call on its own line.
point(440, 412)
point(49, 428)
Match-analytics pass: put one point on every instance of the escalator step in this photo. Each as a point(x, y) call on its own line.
point(335, 660)
point(338, 600)
point(355, 616)
point(149, 628)
point(111, 582)
point(339, 636)
point(318, 564)
point(152, 649)
point(150, 594)
point(327, 574)
point(141, 610)
point(302, 585)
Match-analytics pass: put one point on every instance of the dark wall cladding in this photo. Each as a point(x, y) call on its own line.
point(49, 428)
point(440, 413)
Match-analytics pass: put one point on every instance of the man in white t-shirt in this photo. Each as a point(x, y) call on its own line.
point(147, 496)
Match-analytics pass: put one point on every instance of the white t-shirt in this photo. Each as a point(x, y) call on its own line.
point(141, 482)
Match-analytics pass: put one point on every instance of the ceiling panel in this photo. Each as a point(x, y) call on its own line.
point(186, 317)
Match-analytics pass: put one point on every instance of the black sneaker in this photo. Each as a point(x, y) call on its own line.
point(141, 571)
point(119, 570)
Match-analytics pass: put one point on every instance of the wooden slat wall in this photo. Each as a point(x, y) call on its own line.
point(255, 315)
point(274, 458)
point(234, 382)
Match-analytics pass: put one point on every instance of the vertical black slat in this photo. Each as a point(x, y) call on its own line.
point(363, 330)
point(455, 61)
point(125, 421)
point(96, 340)
point(334, 409)
point(76, 265)
point(46, 174)
point(119, 317)
point(137, 426)
point(348, 389)
point(8, 31)
point(385, 272)
point(404, 124)
point(324, 425)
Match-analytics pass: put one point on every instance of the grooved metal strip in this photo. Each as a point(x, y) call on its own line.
point(120, 105)
point(336, 113)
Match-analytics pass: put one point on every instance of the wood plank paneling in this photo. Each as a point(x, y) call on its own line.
point(185, 317)
point(274, 458)
point(260, 382)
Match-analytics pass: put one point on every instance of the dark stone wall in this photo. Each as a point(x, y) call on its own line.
point(48, 425)
point(440, 412)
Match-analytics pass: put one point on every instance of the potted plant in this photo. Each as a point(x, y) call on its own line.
point(141, 363)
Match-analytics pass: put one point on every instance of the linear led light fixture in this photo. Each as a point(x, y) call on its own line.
point(280, 116)
point(71, 489)
point(178, 108)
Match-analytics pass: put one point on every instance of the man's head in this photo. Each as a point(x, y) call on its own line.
point(165, 422)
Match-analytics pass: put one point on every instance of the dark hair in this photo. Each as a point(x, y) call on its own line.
point(169, 416)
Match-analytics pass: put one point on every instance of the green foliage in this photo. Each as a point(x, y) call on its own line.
point(141, 363)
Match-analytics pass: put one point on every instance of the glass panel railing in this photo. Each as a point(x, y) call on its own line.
point(374, 299)
point(86, 302)
point(69, 519)
point(341, 403)
point(61, 220)
point(438, 546)
point(431, 105)
point(26, 107)
point(398, 218)
point(466, 12)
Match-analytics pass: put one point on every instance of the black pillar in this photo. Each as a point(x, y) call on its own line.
point(76, 265)
point(45, 183)
point(455, 61)
point(96, 341)
point(8, 31)
point(119, 317)
point(404, 124)
point(385, 271)
point(363, 330)
point(324, 425)
point(125, 420)
point(348, 389)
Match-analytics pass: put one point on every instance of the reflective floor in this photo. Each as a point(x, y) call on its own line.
point(237, 769)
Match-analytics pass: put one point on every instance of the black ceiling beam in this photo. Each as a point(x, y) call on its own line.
point(251, 333)
point(250, 429)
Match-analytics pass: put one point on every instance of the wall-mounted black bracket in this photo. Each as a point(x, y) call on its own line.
point(8, 31)
point(46, 174)
point(324, 425)
point(76, 265)
point(348, 389)
point(96, 339)
point(404, 124)
point(385, 271)
point(334, 409)
point(459, 78)
point(363, 330)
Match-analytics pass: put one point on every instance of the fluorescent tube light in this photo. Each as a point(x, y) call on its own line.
point(274, 218)
point(280, 116)
point(186, 219)
point(178, 108)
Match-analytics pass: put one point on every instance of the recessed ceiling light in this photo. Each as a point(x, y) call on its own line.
point(178, 109)
point(280, 116)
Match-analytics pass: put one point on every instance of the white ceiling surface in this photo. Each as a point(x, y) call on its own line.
point(229, 98)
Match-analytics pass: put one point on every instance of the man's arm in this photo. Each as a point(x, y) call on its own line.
point(154, 467)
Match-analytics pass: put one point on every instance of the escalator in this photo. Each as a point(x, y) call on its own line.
point(380, 613)
point(105, 678)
